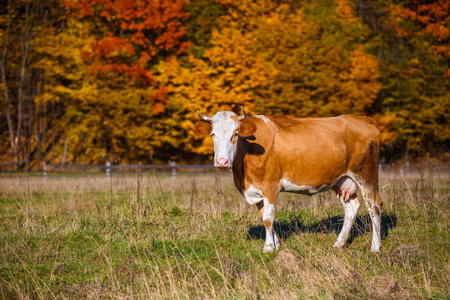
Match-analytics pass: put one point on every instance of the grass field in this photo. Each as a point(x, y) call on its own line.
point(155, 237)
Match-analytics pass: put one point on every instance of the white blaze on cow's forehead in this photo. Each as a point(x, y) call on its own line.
point(222, 115)
point(223, 124)
point(266, 119)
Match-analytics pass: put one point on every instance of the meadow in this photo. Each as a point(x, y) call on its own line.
point(148, 236)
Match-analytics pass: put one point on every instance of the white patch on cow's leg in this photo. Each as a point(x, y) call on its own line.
point(376, 225)
point(272, 241)
point(375, 216)
point(253, 195)
point(351, 209)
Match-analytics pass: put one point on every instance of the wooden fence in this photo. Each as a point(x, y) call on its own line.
point(173, 168)
point(108, 168)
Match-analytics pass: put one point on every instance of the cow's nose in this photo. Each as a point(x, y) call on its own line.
point(222, 162)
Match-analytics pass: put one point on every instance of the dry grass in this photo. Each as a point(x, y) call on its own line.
point(195, 237)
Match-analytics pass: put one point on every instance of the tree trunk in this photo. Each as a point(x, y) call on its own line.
point(25, 50)
point(64, 151)
point(5, 84)
point(25, 42)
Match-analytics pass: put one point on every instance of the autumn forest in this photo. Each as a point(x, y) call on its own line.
point(90, 81)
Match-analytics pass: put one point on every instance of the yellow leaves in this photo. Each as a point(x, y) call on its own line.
point(345, 9)
point(222, 80)
point(363, 66)
point(188, 126)
point(207, 147)
point(364, 73)
point(316, 69)
point(236, 66)
point(386, 125)
point(44, 98)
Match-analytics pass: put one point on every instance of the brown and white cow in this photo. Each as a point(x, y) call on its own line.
point(273, 154)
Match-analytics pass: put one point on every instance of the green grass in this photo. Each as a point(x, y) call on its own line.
point(195, 237)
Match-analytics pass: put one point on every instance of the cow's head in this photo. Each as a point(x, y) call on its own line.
point(225, 128)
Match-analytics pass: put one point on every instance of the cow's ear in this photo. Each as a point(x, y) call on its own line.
point(203, 128)
point(246, 129)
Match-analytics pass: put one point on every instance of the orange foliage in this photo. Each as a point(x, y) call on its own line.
point(433, 18)
point(111, 45)
point(386, 125)
point(147, 29)
point(345, 10)
point(108, 78)
point(159, 98)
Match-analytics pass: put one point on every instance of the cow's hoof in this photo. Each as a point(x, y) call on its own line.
point(375, 249)
point(376, 246)
point(338, 245)
point(268, 249)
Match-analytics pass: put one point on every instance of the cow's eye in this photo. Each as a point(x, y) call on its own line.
point(213, 135)
point(236, 134)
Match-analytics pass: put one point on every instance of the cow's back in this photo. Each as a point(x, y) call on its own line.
point(320, 147)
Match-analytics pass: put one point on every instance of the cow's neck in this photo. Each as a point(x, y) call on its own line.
point(238, 165)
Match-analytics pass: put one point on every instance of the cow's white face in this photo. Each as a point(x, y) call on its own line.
point(225, 126)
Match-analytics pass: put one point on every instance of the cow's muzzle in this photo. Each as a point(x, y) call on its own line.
point(222, 163)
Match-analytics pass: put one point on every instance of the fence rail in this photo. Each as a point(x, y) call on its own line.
point(130, 167)
point(108, 168)
point(174, 168)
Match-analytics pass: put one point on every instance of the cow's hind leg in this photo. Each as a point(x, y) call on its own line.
point(267, 212)
point(366, 175)
point(373, 203)
point(351, 208)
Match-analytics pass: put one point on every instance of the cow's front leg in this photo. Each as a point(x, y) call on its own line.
point(267, 212)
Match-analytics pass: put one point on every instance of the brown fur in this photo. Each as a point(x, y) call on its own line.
point(311, 154)
point(309, 151)
point(246, 129)
point(203, 128)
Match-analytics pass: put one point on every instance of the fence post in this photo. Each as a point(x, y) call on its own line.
point(108, 169)
point(173, 164)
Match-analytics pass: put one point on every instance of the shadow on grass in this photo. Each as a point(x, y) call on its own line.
point(361, 226)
